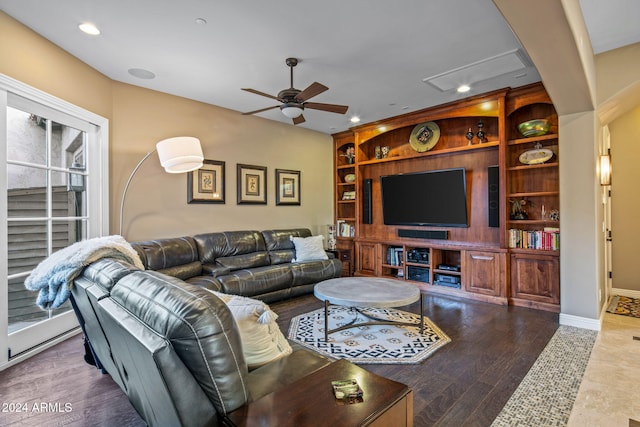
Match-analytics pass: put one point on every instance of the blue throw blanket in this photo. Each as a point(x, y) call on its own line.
point(53, 277)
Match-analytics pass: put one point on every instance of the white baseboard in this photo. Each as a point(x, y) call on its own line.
point(580, 322)
point(625, 293)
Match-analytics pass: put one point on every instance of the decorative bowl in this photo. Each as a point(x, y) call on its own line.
point(350, 177)
point(536, 127)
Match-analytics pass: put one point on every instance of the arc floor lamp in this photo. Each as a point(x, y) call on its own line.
point(177, 155)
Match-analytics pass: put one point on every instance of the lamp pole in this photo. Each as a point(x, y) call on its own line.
point(126, 187)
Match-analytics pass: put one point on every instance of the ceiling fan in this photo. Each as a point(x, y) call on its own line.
point(294, 101)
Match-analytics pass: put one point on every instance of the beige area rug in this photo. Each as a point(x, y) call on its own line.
point(368, 344)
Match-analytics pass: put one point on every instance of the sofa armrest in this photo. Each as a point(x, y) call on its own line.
point(215, 270)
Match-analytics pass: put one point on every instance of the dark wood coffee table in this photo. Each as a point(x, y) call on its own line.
point(310, 402)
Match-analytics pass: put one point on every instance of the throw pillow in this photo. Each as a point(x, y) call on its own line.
point(262, 340)
point(309, 248)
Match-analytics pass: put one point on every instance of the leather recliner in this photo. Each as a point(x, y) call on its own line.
point(173, 347)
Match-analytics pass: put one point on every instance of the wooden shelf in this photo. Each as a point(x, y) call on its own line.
point(534, 252)
point(461, 149)
point(490, 270)
point(350, 166)
point(533, 139)
point(397, 267)
point(533, 222)
point(534, 194)
point(538, 166)
point(448, 272)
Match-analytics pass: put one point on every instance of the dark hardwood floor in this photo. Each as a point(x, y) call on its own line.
point(465, 383)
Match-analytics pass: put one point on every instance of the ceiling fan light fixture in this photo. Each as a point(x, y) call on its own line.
point(291, 110)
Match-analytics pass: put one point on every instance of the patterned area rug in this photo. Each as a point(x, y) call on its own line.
point(368, 344)
point(625, 306)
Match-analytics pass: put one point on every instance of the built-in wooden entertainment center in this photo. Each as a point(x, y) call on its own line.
point(495, 263)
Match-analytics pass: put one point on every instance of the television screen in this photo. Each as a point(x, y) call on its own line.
point(435, 198)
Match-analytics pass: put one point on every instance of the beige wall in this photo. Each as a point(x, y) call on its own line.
point(625, 203)
point(156, 202)
point(31, 59)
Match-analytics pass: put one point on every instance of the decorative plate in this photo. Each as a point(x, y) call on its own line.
point(535, 156)
point(424, 136)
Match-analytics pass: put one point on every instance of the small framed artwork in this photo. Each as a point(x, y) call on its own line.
point(287, 187)
point(206, 185)
point(252, 184)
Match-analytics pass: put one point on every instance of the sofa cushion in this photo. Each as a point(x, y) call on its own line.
point(207, 282)
point(238, 262)
point(281, 239)
point(306, 273)
point(106, 272)
point(229, 243)
point(257, 281)
point(163, 254)
point(184, 271)
point(262, 339)
point(279, 244)
point(199, 327)
point(309, 248)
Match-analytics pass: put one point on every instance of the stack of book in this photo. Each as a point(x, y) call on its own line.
point(547, 239)
point(394, 255)
point(345, 229)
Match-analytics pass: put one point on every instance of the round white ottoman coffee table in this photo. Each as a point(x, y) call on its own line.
point(360, 292)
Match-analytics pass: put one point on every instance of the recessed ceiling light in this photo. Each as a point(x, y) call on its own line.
point(201, 21)
point(464, 88)
point(141, 73)
point(355, 119)
point(89, 28)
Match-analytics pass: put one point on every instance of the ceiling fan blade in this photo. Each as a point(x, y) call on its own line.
point(313, 90)
point(260, 110)
point(257, 92)
point(332, 108)
point(298, 120)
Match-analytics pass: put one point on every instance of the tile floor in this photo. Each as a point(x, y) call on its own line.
point(547, 393)
point(609, 395)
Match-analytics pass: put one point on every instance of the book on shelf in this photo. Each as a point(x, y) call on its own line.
point(394, 255)
point(344, 229)
point(547, 239)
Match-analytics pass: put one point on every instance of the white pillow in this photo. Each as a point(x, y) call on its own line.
point(262, 340)
point(309, 248)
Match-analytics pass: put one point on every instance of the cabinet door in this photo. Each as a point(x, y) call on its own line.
point(485, 273)
point(366, 262)
point(535, 278)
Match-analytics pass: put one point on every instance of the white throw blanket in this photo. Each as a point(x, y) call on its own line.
point(53, 277)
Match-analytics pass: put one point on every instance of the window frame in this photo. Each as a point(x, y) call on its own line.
point(97, 164)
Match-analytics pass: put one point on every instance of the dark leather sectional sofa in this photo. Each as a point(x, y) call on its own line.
point(248, 263)
point(173, 346)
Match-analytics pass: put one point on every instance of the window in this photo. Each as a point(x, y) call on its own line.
point(53, 177)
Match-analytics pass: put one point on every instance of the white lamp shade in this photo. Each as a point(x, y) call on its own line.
point(180, 154)
point(292, 112)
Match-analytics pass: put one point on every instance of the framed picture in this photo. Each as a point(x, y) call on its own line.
point(287, 187)
point(206, 185)
point(252, 184)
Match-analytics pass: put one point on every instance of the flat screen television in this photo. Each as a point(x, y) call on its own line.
point(431, 198)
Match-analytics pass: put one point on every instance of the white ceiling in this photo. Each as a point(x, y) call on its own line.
point(372, 54)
